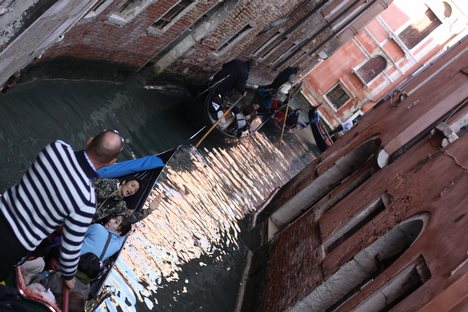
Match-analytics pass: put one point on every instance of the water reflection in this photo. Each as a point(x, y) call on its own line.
point(188, 255)
point(205, 195)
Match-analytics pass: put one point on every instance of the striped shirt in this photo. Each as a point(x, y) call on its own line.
point(56, 190)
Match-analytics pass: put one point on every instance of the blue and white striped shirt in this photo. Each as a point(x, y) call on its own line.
point(56, 190)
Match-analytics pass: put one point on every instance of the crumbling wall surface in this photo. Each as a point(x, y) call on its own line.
point(28, 28)
point(99, 38)
point(425, 179)
point(422, 180)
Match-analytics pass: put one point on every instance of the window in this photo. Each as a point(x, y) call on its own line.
point(357, 222)
point(285, 54)
point(371, 69)
point(337, 96)
point(129, 10)
point(234, 39)
point(270, 46)
point(415, 33)
point(267, 43)
point(98, 8)
point(172, 14)
point(366, 266)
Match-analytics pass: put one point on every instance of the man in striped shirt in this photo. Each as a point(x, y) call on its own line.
point(56, 190)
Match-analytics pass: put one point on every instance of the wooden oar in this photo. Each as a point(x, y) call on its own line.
point(284, 123)
point(65, 298)
point(218, 121)
point(214, 85)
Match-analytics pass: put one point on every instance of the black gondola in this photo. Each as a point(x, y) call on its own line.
point(207, 107)
point(148, 179)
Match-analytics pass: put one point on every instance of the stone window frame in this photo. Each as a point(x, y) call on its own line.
point(273, 44)
point(291, 50)
point(153, 30)
point(346, 90)
point(235, 38)
point(355, 70)
point(121, 19)
point(261, 48)
point(402, 28)
point(101, 6)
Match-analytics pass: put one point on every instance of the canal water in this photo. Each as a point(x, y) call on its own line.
point(189, 254)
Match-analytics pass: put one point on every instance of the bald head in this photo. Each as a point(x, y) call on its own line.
point(104, 148)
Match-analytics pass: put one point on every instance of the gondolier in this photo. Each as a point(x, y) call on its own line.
point(55, 190)
point(232, 76)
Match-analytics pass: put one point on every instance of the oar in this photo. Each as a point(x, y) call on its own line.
point(213, 86)
point(65, 298)
point(284, 123)
point(218, 121)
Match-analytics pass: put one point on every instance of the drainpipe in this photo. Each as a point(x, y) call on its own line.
point(205, 27)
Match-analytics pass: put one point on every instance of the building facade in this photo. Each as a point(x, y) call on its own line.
point(193, 38)
point(378, 221)
point(395, 44)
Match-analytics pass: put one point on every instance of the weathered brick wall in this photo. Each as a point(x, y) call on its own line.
point(203, 61)
point(130, 44)
point(424, 179)
point(303, 26)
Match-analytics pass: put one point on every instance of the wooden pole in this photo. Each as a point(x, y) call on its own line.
point(284, 123)
point(65, 298)
point(217, 122)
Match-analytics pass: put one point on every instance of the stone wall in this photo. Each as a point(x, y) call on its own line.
point(387, 234)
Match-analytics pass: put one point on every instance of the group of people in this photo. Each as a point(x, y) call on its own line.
point(62, 191)
point(232, 78)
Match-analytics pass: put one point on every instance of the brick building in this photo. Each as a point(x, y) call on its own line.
point(399, 41)
point(194, 37)
point(379, 221)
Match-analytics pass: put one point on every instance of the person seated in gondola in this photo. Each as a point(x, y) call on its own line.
point(101, 242)
point(267, 93)
point(111, 194)
point(243, 118)
point(292, 121)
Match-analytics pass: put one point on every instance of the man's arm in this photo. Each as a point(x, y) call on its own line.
point(74, 230)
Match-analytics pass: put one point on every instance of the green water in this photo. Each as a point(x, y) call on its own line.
point(189, 254)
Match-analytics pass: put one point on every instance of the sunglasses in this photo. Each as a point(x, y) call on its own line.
point(118, 133)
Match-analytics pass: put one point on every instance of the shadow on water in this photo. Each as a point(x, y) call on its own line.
point(188, 255)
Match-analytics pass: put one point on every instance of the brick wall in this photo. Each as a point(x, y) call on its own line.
point(131, 44)
point(303, 29)
point(423, 178)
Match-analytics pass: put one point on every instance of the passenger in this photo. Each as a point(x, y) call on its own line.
point(55, 190)
point(96, 238)
point(266, 94)
point(243, 118)
point(232, 76)
point(100, 243)
point(110, 200)
point(30, 270)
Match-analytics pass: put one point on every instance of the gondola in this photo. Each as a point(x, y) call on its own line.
point(320, 134)
point(206, 107)
point(148, 179)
